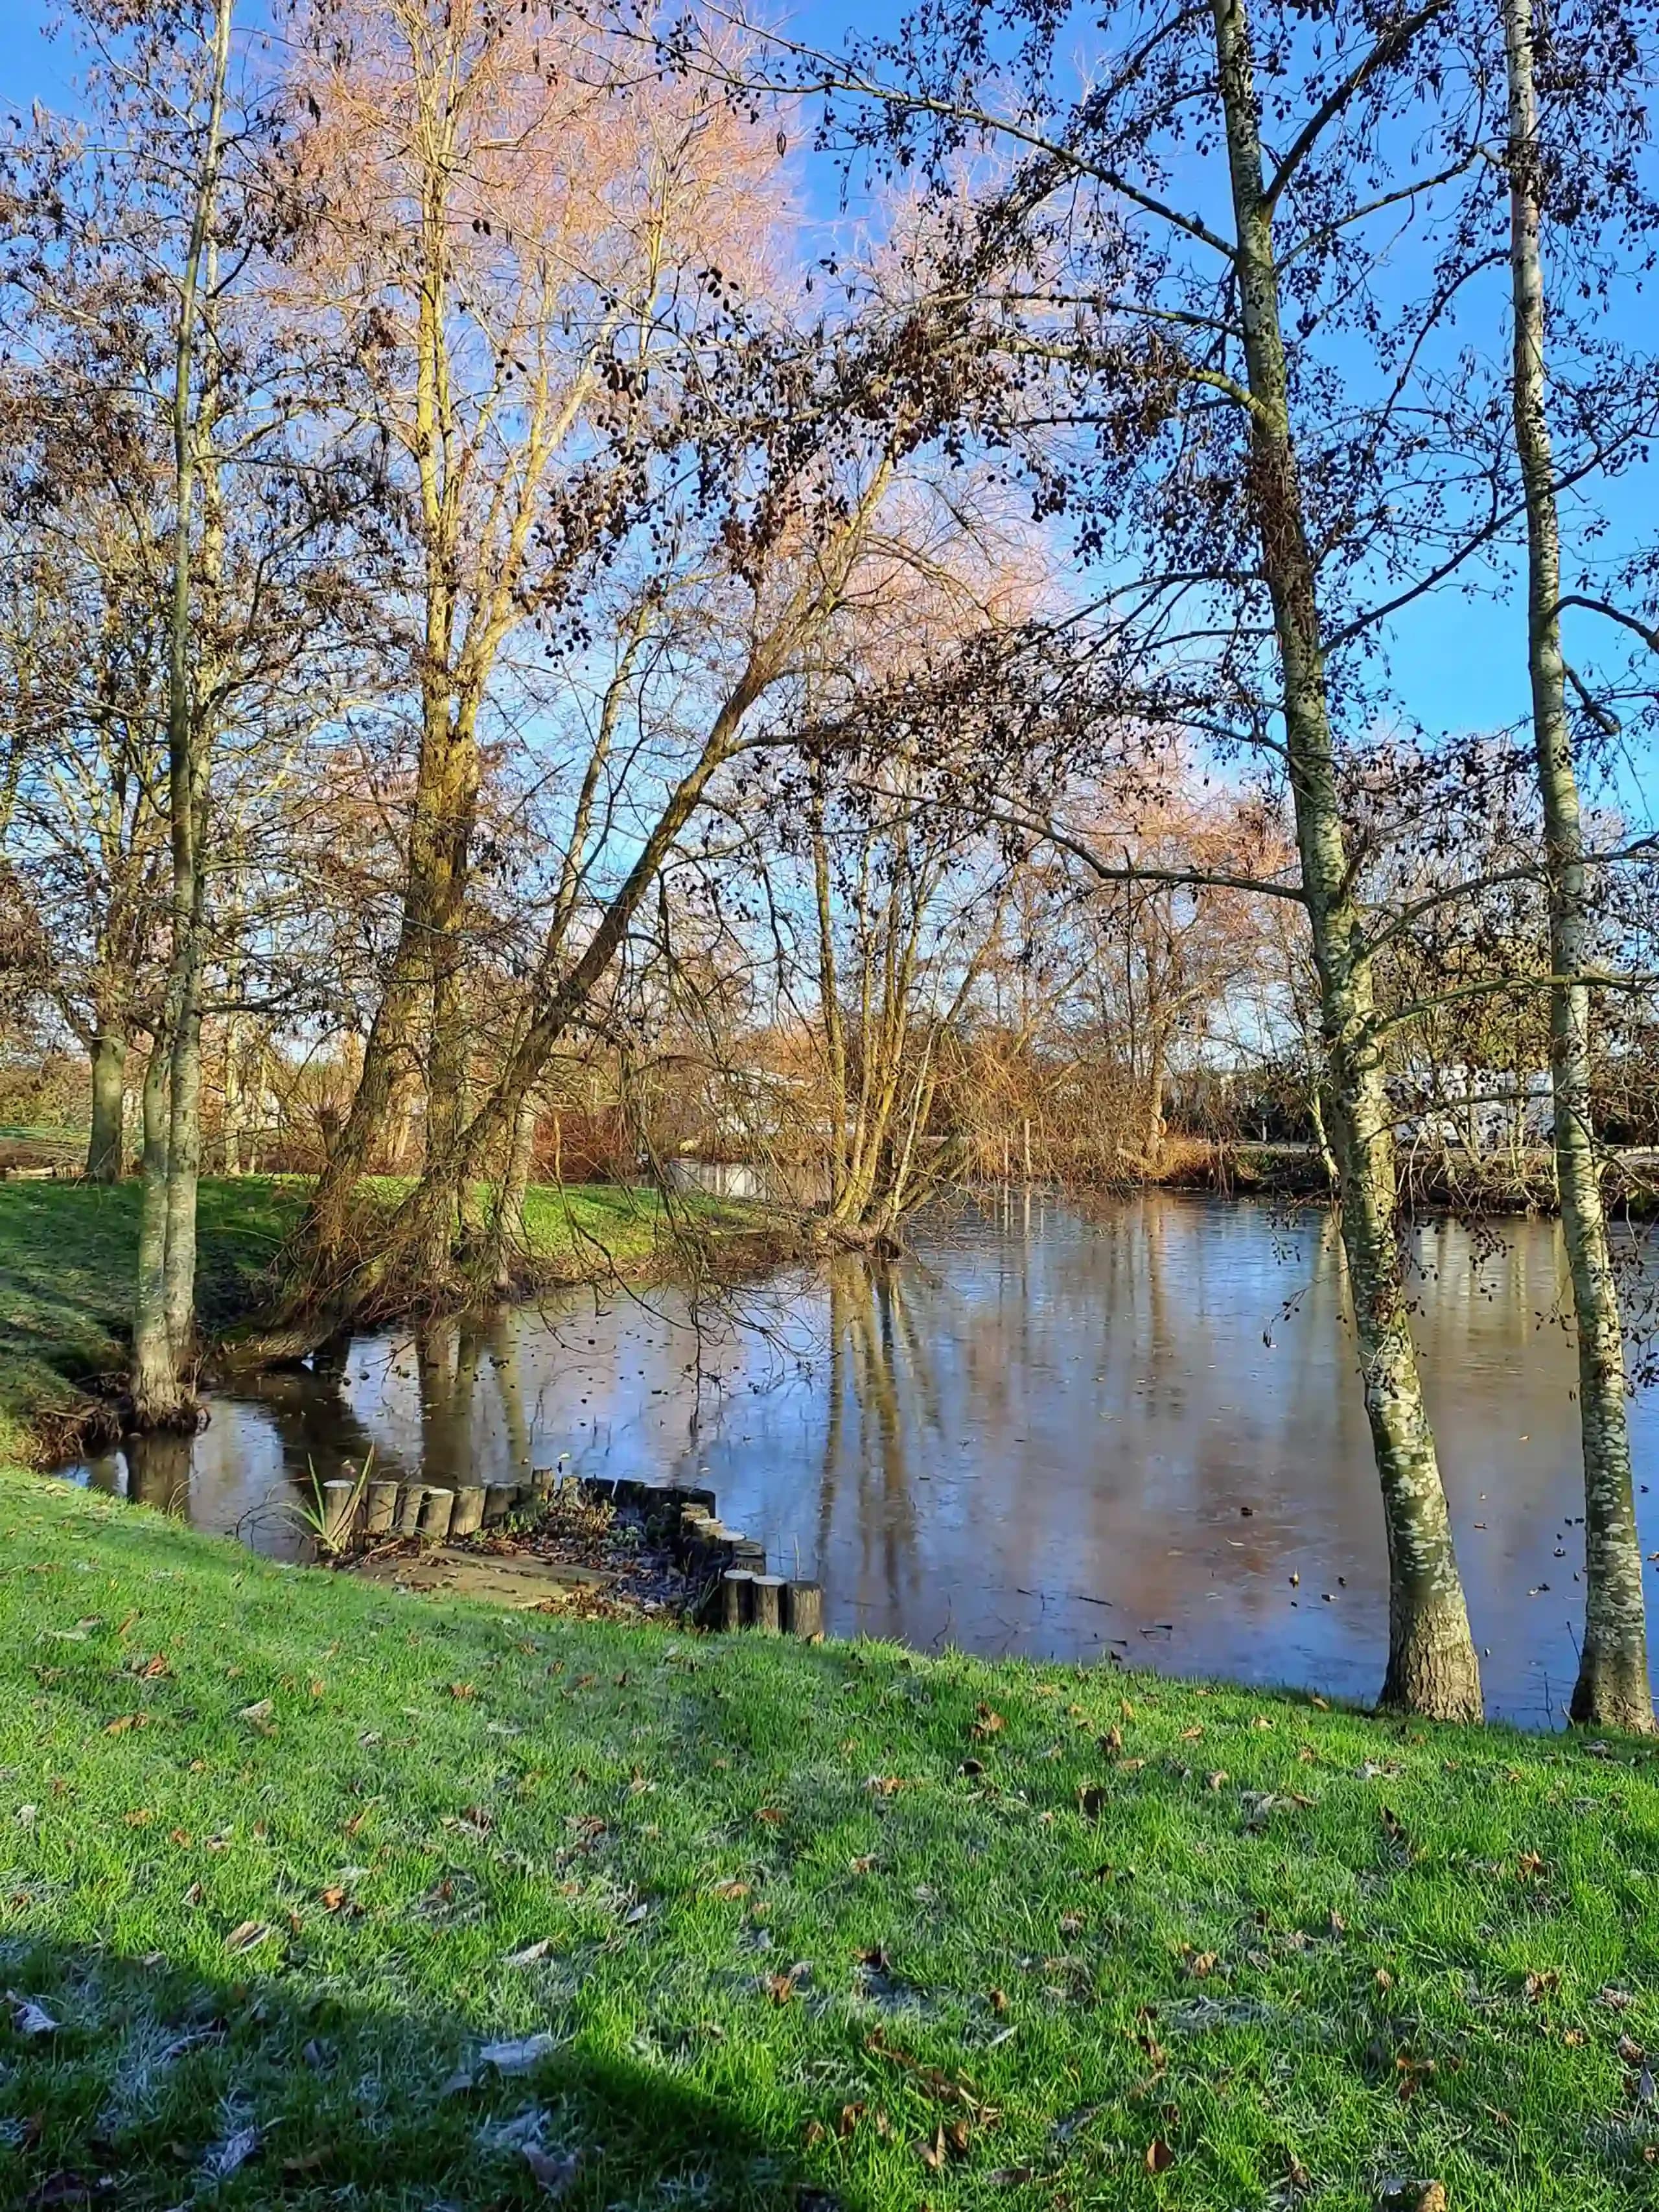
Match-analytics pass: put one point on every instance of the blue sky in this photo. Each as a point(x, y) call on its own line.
point(1457, 664)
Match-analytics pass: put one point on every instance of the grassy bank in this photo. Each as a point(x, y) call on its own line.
point(68, 1251)
point(286, 1859)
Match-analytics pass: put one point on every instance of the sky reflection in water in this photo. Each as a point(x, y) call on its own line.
point(1070, 1436)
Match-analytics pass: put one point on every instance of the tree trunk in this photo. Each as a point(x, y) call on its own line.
point(508, 1228)
point(164, 1296)
point(154, 1378)
point(106, 1148)
point(1613, 1689)
point(234, 1124)
point(184, 1178)
point(1432, 1668)
point(428, 960)
point(1155, 1126)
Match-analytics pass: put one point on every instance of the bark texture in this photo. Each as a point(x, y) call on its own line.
point(106, 1147)
point(1432, 1668)
point(164, 1296)
point(1613, 1688)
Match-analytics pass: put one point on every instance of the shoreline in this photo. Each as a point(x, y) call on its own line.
point(67, 1246)
point(66, 1258)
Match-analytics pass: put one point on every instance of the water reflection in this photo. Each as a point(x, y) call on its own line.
point(1136, 1437)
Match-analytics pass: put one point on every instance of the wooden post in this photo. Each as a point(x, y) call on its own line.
point(499, 1498)
point(467, 1518)
point(408, 1508)
point(436, 1508)
point(339, 1512)
point(382, 1509)
point(695, 1528)
point(803, 1609)
point(737, 1598)
point(543, 1481)
point(768, 1604)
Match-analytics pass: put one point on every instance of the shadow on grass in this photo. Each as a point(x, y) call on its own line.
point(144, 2091)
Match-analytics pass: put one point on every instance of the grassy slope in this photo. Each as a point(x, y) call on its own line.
point(1410, 1931)
point(68, 1250)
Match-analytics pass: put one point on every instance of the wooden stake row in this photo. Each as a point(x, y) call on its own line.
point(433, 1511)
point(736, 1591)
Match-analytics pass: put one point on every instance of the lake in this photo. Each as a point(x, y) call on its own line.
point(1131, 1431)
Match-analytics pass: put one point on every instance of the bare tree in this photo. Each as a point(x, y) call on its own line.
point(1612, 1688)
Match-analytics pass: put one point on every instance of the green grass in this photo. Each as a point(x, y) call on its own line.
point(780, 1943)
point(68, 1251)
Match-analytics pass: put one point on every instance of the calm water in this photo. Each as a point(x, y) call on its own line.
point(1123, 1434)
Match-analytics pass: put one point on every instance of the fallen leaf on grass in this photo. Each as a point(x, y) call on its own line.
point(530, 1954)
point(246, 1934)
point(1159, 2157)
point(987, 1723)
point(62, 2189)
point(258, 1717)
point(517, 2056)
point(1011, 2177)
point(947, 2142)
point(228, 2157)
point(1615, 2000)
point(29, 2018)
point(553, 2172)
point(1201, 1965)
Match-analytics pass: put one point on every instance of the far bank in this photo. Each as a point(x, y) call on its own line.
point(68, 1251)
